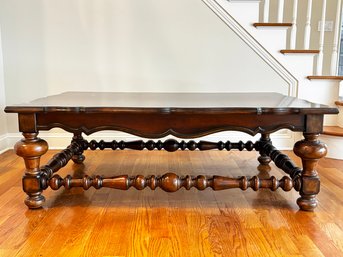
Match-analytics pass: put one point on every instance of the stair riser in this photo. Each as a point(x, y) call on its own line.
point(340, 117)
point(335, 146)
point(268, 39)
point(323, 92)
point(298, 64)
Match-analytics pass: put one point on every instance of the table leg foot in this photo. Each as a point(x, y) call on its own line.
point(307, 202)
point(310, 150)
point(78, 157)
point(31, 148)
point(35, 200)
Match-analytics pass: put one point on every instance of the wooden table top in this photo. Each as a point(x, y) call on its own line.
point(171, 102)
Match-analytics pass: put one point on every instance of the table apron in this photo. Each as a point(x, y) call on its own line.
point(157, 125)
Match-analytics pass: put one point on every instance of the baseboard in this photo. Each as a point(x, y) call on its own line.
point(283, 140)
point(3, 143)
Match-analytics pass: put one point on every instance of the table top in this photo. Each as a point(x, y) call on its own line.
point(170, 102)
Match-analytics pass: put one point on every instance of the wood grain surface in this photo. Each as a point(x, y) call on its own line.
point(155, 223)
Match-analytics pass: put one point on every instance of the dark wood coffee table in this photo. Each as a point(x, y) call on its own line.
point(184, 115)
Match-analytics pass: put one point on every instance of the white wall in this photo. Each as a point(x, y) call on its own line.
point(3, 121)
point(53, 46)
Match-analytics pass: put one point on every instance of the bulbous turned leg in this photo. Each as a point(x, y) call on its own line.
point(78, 157)
point(31, 149)
point(264, 159)
point(310, 150)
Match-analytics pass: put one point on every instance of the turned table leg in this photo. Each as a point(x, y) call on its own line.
point(78, 157)
point(31, 148)
point(310, 150)
point(264, 159)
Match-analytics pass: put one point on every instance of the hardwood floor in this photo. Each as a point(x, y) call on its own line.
point(155, 223)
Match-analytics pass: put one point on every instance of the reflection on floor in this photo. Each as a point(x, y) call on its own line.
point(109, 222)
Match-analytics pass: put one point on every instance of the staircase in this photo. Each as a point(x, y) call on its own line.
point(289, 46)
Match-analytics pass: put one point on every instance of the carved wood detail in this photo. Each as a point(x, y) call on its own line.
point(78, 145)
point(170, 145)
point(264, 159)
point(169, 182)
point(144, 124)
point(31, 148)
point(78, 156)
point(310, 150)
point(283, 162)
point(60, 159)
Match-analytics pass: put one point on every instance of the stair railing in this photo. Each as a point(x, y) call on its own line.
point(294, 27)
point(307, 34)
point(320, 58)
point(336, 39)
point(326, 55)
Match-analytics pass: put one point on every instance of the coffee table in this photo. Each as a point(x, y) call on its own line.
point(183, 115)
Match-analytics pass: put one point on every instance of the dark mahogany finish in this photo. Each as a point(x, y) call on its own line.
point(170, 145)
point(187, 115)
point(170, 182)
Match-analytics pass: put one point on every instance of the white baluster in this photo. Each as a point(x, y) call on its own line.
point(334, 56)
point(266, 11)
point(280, 11)
point(294, 27)
point(321, 41)
point(307, 34)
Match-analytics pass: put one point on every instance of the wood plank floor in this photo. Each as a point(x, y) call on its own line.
point(154, 223)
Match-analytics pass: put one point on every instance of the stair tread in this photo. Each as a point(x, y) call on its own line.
point(326, 77)
point(333, 131)
point(271, 24)
point(299, 51)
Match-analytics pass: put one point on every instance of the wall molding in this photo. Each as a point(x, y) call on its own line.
point(254, 45)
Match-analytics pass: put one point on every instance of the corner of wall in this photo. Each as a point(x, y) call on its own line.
point(3, 143)
point(3, 120)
